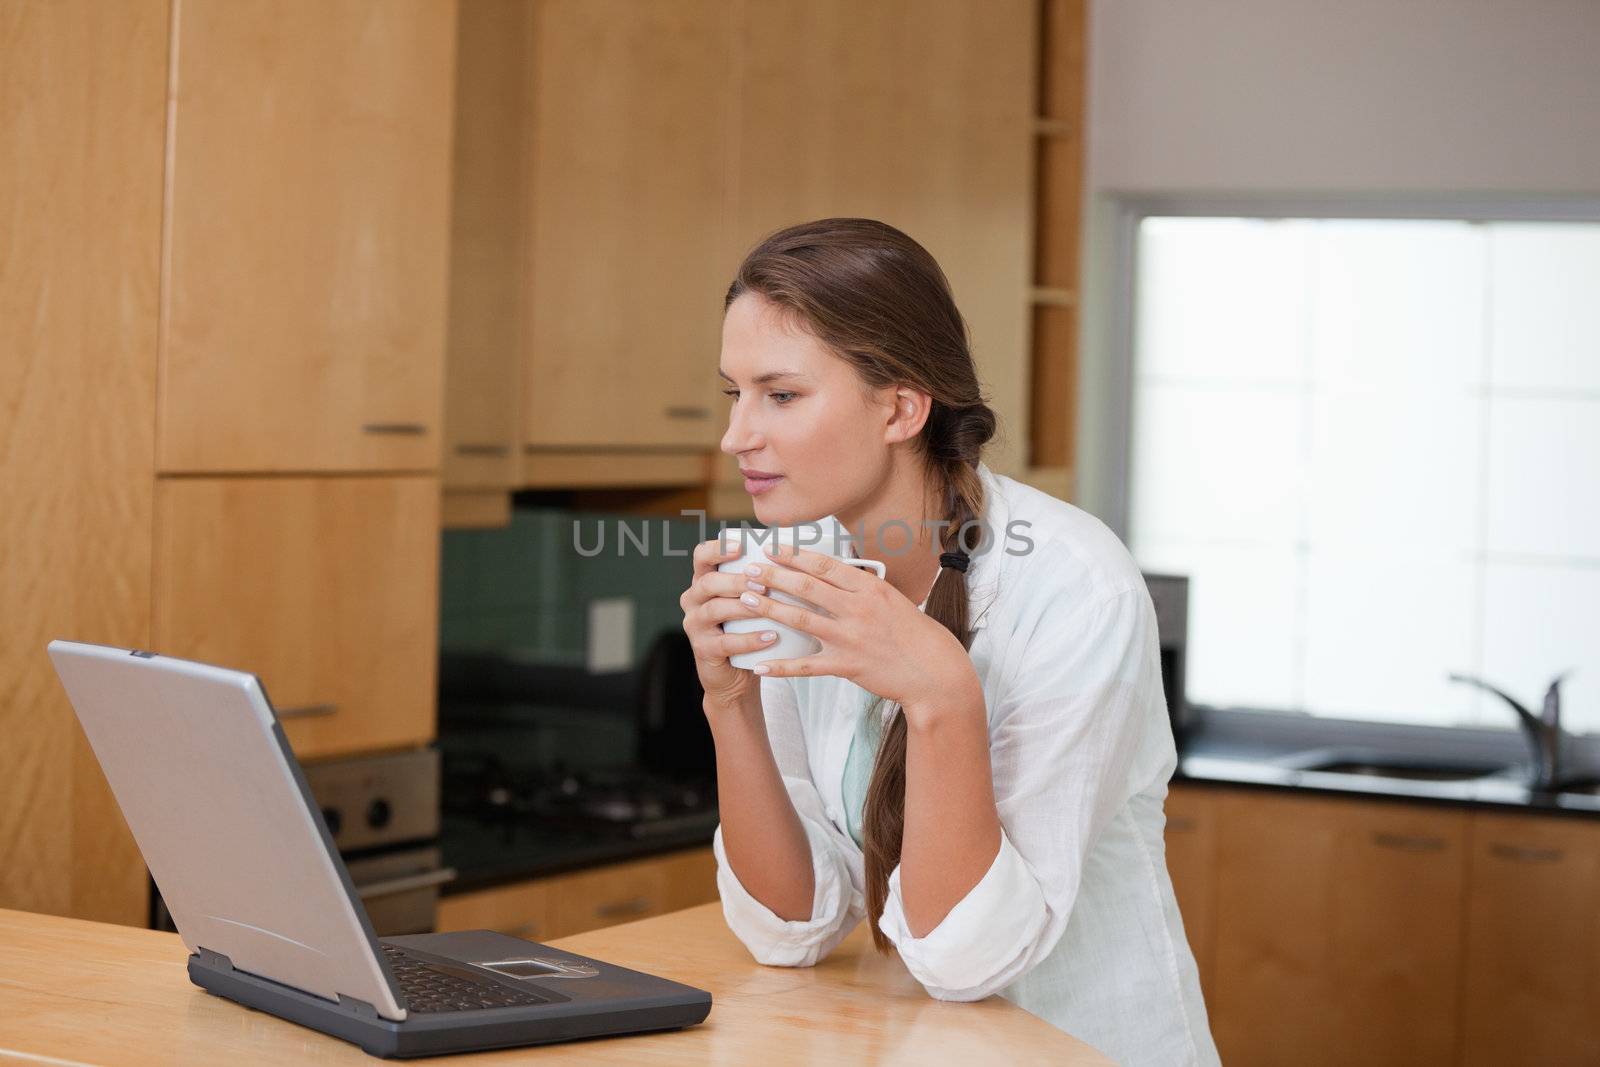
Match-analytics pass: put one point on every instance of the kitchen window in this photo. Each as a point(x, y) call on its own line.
point(1373, 443)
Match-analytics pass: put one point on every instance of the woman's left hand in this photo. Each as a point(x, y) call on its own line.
point(876, 637)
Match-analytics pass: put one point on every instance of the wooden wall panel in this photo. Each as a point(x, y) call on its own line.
point(82, 99)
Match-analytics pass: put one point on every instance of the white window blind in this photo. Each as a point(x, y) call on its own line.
point(1374, 446)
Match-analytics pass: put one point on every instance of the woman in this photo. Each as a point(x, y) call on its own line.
point(977, 759)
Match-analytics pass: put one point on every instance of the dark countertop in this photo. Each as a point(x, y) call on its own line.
point(1251, 751)
point(487, 856)
point(1232, 749)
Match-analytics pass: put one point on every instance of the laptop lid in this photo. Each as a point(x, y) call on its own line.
point(221, 811)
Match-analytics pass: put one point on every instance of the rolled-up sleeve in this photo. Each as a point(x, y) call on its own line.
point(837, 904)
point(1064, 734)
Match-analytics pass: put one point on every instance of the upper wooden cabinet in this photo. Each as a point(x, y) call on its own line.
point(919, 113)
point(326, 588)
point(630, 115)
point(1338, 930)
point(307, 227)
point(483, 367)
point(1532, 988)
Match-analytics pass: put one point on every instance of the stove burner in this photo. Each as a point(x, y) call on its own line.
point(486, 789)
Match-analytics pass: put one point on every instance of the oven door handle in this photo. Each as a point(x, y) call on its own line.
point(405, 883)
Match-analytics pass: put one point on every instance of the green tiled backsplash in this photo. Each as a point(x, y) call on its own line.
point(525, 590)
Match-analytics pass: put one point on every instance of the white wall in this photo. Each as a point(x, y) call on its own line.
point(1427, 98)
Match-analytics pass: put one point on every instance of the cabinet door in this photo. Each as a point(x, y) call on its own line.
point(327, 588)
point(919, 113)
point(488, 189)
point(520, 910)
point(1338, 931)
point(1191, 862)
point(630, 115)
point(606, 896)
point(308, 213)
point(1532, 990)
point(690, 879)
point(548, 908)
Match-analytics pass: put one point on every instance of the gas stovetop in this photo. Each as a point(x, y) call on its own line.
point(628, 802)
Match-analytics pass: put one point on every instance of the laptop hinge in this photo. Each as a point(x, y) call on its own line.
point(361, 1009)
point(216, 961)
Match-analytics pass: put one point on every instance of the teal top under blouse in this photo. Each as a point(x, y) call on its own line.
point(858, 764)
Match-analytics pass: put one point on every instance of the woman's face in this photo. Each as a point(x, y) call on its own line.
point(799, 414)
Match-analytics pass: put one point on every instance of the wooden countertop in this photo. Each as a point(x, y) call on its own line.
point(76, 992)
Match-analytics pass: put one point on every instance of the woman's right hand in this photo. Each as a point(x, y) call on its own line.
point(711, 600)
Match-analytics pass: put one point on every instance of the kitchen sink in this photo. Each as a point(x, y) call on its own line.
point(1417, 770)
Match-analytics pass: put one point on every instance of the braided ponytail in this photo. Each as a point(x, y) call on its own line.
point(883, 813)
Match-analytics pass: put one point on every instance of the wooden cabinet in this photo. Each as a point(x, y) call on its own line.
point(307, 227)
point(1338, 930)
point(84, 86)
point(630, 122)
point(548, 908)
point(1532, 986)
point(483, 364)
point(521, 910)
point(1191, 840)
point(325, 587)
point(916, 112)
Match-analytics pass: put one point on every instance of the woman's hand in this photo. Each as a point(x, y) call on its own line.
point(711, 600)
point(876, 637)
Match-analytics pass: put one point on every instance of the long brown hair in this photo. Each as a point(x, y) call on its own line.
point(879, 300)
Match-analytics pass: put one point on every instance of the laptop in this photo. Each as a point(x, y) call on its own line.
point(221, 811)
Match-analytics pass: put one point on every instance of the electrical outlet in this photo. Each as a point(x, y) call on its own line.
point(610, 634)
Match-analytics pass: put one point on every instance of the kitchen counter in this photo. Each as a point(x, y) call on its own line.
point(85, 992)
point(1260, 766)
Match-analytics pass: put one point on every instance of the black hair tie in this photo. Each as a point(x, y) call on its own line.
point(958, 560)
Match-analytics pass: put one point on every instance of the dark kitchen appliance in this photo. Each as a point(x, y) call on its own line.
point(383, 813)
point(1170, 595)
point(619, 802)
point(550, 767)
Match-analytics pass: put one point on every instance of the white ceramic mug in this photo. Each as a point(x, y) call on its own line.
point(826, 537)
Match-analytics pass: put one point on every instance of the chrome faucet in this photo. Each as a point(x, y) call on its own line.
point(1546, 738)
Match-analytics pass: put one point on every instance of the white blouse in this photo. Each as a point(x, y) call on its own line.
point(1075, 919)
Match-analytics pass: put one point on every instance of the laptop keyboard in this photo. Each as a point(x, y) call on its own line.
point(429, 989)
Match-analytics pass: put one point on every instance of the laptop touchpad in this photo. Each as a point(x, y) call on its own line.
point(541, 968)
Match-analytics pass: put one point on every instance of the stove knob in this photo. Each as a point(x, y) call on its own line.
point(334, 820)
point(378, 814)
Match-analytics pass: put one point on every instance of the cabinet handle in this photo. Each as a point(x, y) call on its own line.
point(1526, 853)
point(307, 711)
point(527, 929)
point(1180, 825)
point(410, 429)
point(1408, 842)
point(687, 411)
point(623, 907)
point(483, 450)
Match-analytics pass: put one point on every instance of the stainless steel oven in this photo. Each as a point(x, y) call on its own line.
point(383, 814)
